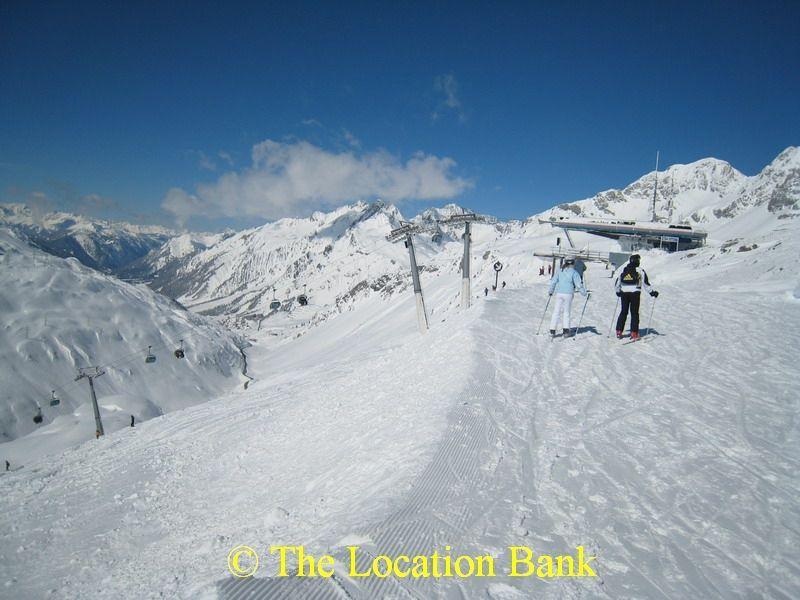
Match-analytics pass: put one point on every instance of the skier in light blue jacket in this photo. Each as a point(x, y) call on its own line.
point(564, 284)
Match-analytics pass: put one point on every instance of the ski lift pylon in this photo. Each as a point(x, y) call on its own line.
point(150, 358)
point(179, 353)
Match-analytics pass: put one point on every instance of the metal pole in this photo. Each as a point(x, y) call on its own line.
point(98, 423)
point(613, 317)
point(655, 190)
point(580, 320)
point(97, 373)
point(538, 329)
point(465, 283)
point(650, 320)
point(422, 315)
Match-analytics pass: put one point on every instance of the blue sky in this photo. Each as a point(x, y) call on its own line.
point(156, 111)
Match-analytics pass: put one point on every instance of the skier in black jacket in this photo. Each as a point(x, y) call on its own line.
point(629, 289)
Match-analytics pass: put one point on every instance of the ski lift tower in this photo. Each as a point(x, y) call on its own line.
point(406, 232)
point(92, 373)
point(467, 219)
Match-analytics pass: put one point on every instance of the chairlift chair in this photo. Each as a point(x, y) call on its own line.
point(302, 299)
point(275, 304)
point(53, 400)
point(150, 358)
point(179, 353)
point(37, 418)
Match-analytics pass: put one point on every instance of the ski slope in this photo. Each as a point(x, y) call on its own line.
point(59, 316)
point(673, 461)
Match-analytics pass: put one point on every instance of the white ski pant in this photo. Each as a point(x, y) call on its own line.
point(563, 305)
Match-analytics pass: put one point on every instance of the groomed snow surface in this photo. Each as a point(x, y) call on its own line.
point(674, 461)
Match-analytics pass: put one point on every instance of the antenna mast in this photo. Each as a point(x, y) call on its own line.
point(655, 190)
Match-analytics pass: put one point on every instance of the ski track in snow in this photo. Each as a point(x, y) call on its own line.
point(674, 462)
point(682, 487)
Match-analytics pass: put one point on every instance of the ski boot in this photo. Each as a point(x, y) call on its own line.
point(634, 336)
point(552, 333)
point(567, 333)
point(619, 334)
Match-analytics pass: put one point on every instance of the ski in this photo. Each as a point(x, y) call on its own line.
point(646, 338)
point(561, 336)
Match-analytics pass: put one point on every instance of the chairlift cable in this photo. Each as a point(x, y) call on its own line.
point(123, 360)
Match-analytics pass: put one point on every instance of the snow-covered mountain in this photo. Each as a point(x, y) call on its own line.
point(707, 192)
point(104, 245)
point(340, 258)
point(159, 266)
point(59, 315)
point(331, 255)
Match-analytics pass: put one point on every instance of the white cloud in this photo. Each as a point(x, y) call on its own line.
point(206, 163)
point(351, 139)
point(226, 157)
point(291, 178)
point(182, 205)
point(447, 85)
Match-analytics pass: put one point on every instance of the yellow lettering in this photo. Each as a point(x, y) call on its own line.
point(302, 560)
point(545, 561)
point(235, 560)
point(282, 550)
point(435, 564)
point(470, 563)
point(560, 560)
point(398, 572)
point(353, 566)
point(583, 565)
point(376, 566)
point(489, 560)
point(420, 568)
point(325, 566)
point(516, 560)
point(447, 563)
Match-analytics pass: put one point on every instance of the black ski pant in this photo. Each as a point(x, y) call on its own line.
point(630, 301)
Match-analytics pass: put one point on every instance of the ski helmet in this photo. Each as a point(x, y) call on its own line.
point(635, 258)
point(569, 262)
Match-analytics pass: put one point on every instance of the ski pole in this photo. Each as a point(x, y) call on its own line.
point(612, 318)
point(650, 319)
point(543, 315)
point(578, 328)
